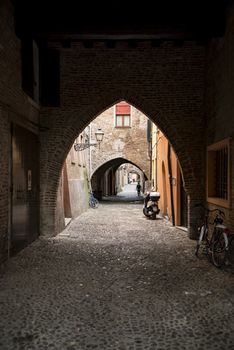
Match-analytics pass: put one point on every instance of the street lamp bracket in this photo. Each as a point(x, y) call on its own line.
point(82, 146)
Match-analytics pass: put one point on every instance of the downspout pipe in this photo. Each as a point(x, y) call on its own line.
point(170, 182)
point(149, 139)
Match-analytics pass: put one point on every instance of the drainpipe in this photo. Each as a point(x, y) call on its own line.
point(149, 139)
point(90, 154)
point(150, 154)
point(170, 181)
point(10, 203)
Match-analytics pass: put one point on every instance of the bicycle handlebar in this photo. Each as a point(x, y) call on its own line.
point(216, 209)
point(220, 212)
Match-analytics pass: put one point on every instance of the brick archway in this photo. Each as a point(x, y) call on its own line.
point(113, 164)
point(170, 94)
point(118, 161)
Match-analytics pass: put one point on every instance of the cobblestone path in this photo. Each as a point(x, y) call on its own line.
point(115, 280)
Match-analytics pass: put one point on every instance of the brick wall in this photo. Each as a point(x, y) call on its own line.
point(23, 110)
point(219, 95)
point(15, 107)
point(166, 83)
point(4, 184)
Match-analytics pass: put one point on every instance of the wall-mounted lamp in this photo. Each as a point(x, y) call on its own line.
point(99, 137)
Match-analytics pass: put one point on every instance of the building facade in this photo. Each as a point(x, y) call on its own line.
point(168, 180)
point(74, 186)
point(125, 141)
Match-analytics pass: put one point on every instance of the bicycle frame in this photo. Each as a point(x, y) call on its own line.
point(218, 244)
point(93, 202)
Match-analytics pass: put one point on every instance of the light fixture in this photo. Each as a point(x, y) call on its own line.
point(99, 137)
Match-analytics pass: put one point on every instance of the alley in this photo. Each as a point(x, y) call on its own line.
point(115, 280)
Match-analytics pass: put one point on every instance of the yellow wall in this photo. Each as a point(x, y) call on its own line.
point(160, 174)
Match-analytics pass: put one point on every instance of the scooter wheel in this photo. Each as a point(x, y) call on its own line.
point(153, 216)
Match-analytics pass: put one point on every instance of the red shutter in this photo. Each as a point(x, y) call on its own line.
point(122, 108)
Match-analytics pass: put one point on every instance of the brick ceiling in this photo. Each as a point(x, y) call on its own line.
point(164, 19)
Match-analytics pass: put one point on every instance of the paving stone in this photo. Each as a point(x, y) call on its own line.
point(115, 280)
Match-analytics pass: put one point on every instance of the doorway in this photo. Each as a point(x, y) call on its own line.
point(25, 188)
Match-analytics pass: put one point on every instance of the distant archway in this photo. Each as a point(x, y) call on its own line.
point(109, 168)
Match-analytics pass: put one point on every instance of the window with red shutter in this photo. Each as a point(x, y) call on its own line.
point(122, 115)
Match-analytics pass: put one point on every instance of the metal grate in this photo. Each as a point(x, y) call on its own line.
point(222, 173)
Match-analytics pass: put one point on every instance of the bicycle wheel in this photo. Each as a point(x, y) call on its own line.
point(153, 216)
point(201, 242)
point(219, 247)
point(93, 202)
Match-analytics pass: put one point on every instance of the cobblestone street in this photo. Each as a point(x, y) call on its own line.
point(115, 280)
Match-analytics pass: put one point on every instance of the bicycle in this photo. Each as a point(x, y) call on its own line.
point(218, 245)
point(93, 202)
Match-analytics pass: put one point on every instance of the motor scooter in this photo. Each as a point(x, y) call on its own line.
point(150, 207)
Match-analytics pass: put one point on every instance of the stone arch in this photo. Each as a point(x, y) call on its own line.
point(113, 164)
point(117, 161)
point(175, 109)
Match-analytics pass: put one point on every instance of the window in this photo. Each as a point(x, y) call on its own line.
point(50, 77)
point(30, 68)
point(218, 173)
point(122, 115)
point(122, 121)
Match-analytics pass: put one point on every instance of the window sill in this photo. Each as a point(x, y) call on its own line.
point(219, 201)
point(123, 127)
point(33, 103)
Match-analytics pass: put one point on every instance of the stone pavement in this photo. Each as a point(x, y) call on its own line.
point(128, 194)
point(115, 280)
